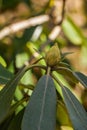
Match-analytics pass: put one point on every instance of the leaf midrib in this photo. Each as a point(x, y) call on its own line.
point(43, 103)
point(74, 107)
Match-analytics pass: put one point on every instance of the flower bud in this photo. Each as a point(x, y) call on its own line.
point(53, 56)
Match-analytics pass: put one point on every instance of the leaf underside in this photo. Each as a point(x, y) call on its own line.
point(7, 93)
point(40, 113)
point(5, 75)
point(76, 111)
point(82, 78)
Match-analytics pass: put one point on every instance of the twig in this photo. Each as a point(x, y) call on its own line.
point(13, 28)
point(54, 33)
point(56, 30)
point(63, 12)
point(23, 25)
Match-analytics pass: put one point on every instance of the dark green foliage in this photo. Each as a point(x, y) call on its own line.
point(5, 75)
point(7, 93)
point(76, 111)
point(15, 123)
point(82, 78)
point(6, 4)
point(40, 113)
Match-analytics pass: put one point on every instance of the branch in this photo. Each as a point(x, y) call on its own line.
point(63, 12)
point(54, 33)
point(56, 30)
point(23, 25)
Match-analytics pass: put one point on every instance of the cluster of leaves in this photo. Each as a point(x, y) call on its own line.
point(40, 112)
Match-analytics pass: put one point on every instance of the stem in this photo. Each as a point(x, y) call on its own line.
point(48, 70)
point(38, 60)
point(30, 86)
point(62, 68)
point(57, 80)
point(35, 65)
point(27, 63)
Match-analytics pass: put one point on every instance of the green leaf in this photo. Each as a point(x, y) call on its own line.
point(5, 124)
point(25, 79)
point(82, 78)
point(15, 106)
point(21, 59)
point(5, 75)
point(15, 124)
point(72, 31)
point(62, 115)
point(63, 64)
point(83, 54)
point(68, 75)
point(63, 55)
point(40, 113)
point(76, 111)
point(7, 93)
point(1, 4)
point(2, 61)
